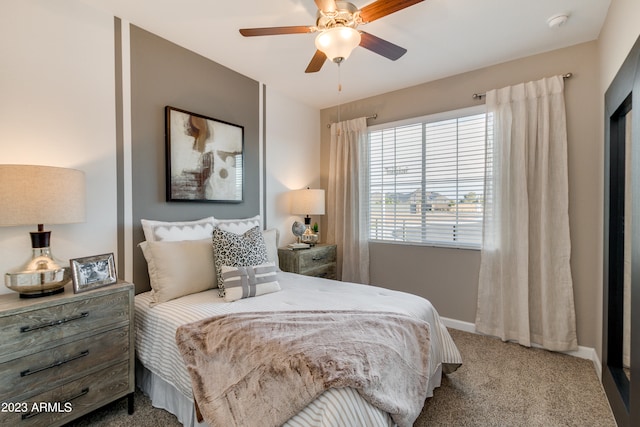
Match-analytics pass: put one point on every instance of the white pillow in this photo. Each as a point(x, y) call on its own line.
point(271, 237)
point(179, 268)
point(237, 225)
point(163, 231)
point(251, 281)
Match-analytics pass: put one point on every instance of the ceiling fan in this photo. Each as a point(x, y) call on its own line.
point(337, 22)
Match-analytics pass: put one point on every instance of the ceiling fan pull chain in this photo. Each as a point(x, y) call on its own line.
point(339, 93)
point(339, 80)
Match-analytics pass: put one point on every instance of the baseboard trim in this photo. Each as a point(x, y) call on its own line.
point(459, 325)
point(588, 353)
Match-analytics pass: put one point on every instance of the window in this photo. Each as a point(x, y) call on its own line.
point(426, 179)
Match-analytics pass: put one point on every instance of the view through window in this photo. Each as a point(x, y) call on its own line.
point(426, 179)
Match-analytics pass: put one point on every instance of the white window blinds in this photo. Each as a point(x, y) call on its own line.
point(426, 179)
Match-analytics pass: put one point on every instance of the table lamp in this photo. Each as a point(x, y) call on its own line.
point(32, 195)
point(307, 202)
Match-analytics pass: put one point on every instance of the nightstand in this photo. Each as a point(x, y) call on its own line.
point(65, 355)
point(317, 261)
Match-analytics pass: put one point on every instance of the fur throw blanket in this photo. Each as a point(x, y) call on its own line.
point(260, 369)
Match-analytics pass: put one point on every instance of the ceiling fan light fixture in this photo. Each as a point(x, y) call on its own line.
point(338, 42)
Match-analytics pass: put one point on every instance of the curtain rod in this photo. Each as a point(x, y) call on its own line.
point(373, 116)
point(481, 95)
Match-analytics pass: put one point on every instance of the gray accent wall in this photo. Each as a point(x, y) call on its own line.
point(163, 73)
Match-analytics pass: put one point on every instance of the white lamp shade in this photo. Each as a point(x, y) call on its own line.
point(41, 195)
point(307, 202)
point(338, 42)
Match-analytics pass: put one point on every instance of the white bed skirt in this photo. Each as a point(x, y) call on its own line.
point(164, 396)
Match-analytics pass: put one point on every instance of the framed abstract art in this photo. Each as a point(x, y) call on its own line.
point(204, 158)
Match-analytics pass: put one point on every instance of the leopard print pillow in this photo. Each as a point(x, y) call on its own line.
point(237, 250)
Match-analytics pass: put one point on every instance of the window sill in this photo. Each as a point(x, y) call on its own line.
point(429, 245)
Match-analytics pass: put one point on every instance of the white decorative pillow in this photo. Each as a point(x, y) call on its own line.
point(151, 265)
point(162, 231)
point(179, 268)
point(237, 250)
point(238, 225)
point(251, 281)
point(271, 237)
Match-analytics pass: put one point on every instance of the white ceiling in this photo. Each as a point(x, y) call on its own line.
point(443, 38)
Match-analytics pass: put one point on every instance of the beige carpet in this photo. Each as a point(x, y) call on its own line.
point(499, 384)
point(505, 384)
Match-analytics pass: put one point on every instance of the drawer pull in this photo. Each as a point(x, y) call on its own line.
point(54, 322)
point(34, 413)
point(317, 258)
point(54, 364)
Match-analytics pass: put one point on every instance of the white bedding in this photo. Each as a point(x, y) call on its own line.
point(156, 347)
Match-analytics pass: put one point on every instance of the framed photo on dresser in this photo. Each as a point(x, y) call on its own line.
point(93, 272)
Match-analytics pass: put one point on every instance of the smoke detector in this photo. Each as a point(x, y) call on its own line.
point(557, 20)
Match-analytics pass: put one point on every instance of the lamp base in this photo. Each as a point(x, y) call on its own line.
point(34, 284)
point(42, 293)
point(308, 236)
point(42, 275)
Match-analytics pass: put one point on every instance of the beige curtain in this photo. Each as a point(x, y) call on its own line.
point(347, 201)
point(525, 291)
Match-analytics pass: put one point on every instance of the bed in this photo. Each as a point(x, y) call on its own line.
point(160, 367)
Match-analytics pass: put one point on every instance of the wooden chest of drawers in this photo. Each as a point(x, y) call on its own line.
point(317, 261)
point(65, 355)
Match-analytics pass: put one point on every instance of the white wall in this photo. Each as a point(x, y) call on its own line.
point(619, 32)
point(292, 153)
point(58, 109)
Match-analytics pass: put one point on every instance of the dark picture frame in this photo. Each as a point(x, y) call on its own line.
point(93, 272)
point(205, 158)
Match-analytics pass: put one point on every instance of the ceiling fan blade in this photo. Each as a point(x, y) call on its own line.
point(381, 46)
point(326, 5)
point(381, 8)
point(316, 62)
point(272, 31)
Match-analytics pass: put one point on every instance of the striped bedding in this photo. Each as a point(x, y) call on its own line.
point(164, 373)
